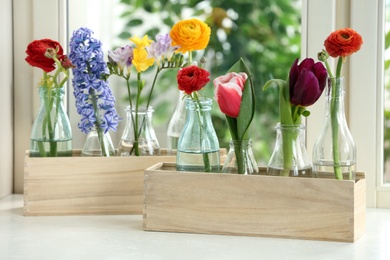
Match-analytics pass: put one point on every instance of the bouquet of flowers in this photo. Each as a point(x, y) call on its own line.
point(198, 137)
point(51, 125)
point(145, 54)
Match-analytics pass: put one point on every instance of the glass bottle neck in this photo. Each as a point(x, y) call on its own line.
point(334, 93)
point(243, 144)
point(51, 92)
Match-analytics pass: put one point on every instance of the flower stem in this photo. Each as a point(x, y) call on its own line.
point(206, 160)
point(48, 100)
point(99, 130)
point(239, 150)
point(334, 107)
point(289, 137)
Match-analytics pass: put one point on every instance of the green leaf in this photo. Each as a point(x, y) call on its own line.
point(247, 108)
point(124, 35)
point(134, 22)
point(387, 40)
point(284, 100)
point(232, 122)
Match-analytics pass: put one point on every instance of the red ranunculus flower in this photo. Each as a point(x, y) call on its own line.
point(36, 54)
point(192, 78)
point(343, 42)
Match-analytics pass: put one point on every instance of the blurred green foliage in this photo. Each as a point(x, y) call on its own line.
point(266, 34)
point(386, 137)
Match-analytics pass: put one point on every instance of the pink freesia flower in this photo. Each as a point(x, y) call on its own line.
point(228, 92)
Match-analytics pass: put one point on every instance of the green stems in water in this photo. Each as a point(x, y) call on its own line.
point(206, 160)
point(99, 130)
point(334, 107)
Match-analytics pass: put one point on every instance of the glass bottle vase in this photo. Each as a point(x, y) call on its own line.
point(290, 157)
point(139, 137)
point(334, 152)
point(98, 144)
point(198, 146)
point(51, 134)
point(240, 158)
point(176, 124)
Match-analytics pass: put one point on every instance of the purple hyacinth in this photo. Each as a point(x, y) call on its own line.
point(94, 99)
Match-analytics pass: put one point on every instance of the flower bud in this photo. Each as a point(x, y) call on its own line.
point(65, 62)
point(50, 53)
point(323, 56)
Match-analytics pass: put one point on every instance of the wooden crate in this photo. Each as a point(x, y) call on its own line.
point(86, 185)
point(254, 205)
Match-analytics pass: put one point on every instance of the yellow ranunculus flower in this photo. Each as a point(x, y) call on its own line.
point(190, 35)
point(141, 61)
point(141, 43)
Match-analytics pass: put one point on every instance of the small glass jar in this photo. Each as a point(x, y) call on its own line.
point(240, 158)
point(51, 134)
point(139, 137)
point(290, 157)
point(98, 144)
point(198, 146)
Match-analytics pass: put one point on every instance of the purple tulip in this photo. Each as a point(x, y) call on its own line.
point(306, 81)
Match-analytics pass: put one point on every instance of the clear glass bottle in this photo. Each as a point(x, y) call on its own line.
point(334, 152)
point(176, 124)
point(240, 158)
point(290, 157)
point(139, 137)
point(93, 144)
point(198, 146)
point(51, 134)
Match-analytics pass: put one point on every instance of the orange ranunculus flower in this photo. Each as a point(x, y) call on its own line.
point(343, 43)
point(191, 34)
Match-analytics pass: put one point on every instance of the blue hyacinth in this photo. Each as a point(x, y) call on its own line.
point(94, 99)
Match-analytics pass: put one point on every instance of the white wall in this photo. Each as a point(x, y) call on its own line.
point(6, 86)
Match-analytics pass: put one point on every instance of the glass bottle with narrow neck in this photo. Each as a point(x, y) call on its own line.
point(176, 125)
point(198, 146)
point(334, 152)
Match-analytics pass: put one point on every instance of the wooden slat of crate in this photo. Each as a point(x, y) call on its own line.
point(269, 206)
point(86, 185)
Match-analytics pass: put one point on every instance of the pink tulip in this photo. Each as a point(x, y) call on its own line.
point(228, 92)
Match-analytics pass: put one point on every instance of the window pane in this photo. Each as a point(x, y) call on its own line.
point(265, 33)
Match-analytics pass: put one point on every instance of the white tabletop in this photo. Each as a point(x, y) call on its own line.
point(122, 237)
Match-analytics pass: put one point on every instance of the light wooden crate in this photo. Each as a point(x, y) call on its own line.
point(86, 185)
point(254, 205)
